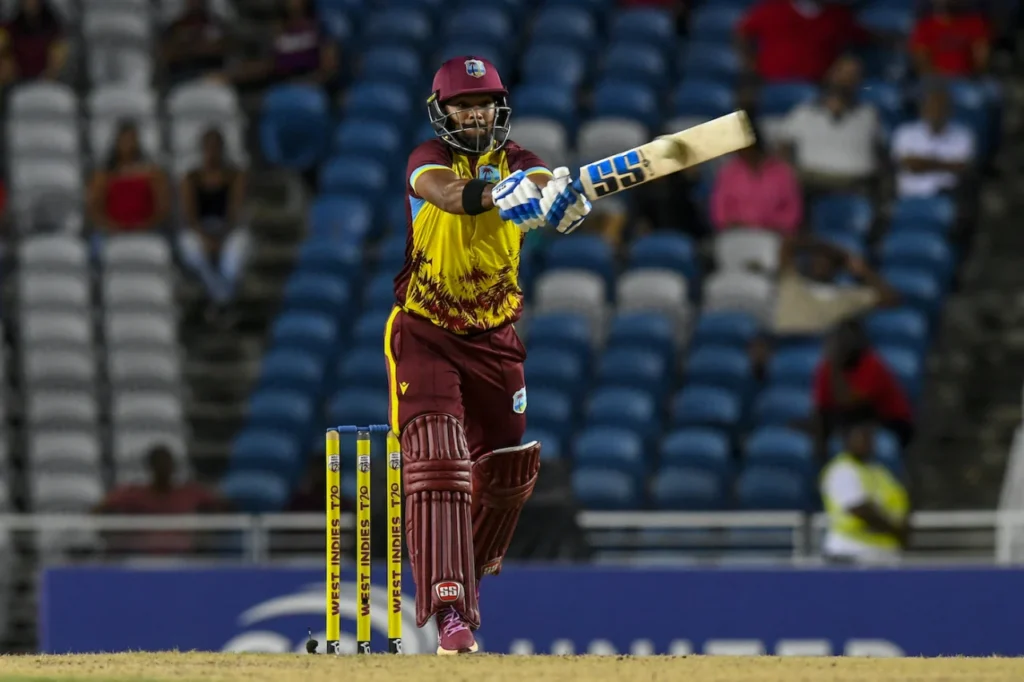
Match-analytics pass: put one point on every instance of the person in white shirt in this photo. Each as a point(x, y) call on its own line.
point(933, 153)
point(866, 505)
point(835, 141)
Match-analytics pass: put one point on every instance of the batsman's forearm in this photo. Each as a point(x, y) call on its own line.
point(450, 200)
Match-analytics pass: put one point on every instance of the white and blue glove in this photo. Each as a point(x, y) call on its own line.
point(519, 201)
point(562, 206)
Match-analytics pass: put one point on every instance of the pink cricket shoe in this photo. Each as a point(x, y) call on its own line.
point(453, 635)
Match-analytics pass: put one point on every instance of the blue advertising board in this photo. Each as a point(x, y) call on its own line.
point(555, 610)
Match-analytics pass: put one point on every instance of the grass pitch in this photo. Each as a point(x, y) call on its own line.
point(202, 667)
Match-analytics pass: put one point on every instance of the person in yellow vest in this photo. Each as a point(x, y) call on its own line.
point(867, 506)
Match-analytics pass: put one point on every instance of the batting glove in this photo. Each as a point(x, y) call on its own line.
point(518, 200)
point(563, 207)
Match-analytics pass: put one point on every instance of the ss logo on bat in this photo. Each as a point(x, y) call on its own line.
point(618, 172)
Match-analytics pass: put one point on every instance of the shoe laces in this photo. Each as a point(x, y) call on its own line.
point(452, 623)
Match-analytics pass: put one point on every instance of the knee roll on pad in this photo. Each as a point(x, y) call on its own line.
point(503, 481)
point(437, 482)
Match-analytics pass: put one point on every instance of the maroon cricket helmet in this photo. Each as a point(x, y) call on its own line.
point(461, 76)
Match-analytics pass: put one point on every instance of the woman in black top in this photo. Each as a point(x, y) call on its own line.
point(213, 243)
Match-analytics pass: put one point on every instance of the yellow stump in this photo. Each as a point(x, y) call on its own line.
point(333, 593)
point(394, 544)
point(363, 542)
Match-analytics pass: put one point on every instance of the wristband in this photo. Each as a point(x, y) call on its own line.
point(473, 197)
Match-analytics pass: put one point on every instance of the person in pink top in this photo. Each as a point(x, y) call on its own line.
point(757, 189)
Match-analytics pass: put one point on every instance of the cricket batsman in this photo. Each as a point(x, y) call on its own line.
point(454, 361)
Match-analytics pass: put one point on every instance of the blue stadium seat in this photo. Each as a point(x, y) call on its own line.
point(687, 489)
point(567, 331)
point(610, 447)
point(256, 492)
point(316, 293)
point(665, 249)
point(268, 450)
point(570, 26)
point(778, 99)
point(919, 289)
point(551, 410)
point(711, 61)
point(906, 365)
point(703, 99)
point(887, 19)
point(337, 17)
point(359, 174)
point(369, 328)
point(391, 255)
point(536, 62)
point(364, 367)
point(327, 258)
point(315, 333)
point(294, 121)
point(479, 21)
point(706, 406)
point(555, 368)
point(645, 370)
point(392, 64)
point(648, 26)
point(782, 448)
point(716, 21)
point(782, 406)
point(698, 448)
point(918, 250)
point(605, 489)
point(623, 408)
point(793, 366)
point(401, 27)
point(386, 100)
point(882, 61)
point(902, 327)
point(378, 140)
point(355, 405)
point(379, 293)
point(840, 213)
point(595, 7)
point(635, 62)
point(629, 100)
point(551, 446)
point(280, 410)
point(926, 214)
point(546, 100)
point(341, 218)
point(725, 328)
point(293, 370)
point(720, 366)
point(582, 252)
point(648, 330)
point(761, 488)
point(887, 99)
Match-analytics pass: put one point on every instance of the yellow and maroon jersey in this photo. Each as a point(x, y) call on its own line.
point(462, 272)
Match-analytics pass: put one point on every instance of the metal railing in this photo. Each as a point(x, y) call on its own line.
point(660, 536)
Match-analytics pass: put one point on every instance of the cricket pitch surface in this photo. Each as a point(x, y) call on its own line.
point(165, 667)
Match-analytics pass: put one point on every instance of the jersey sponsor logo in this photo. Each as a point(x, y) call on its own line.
point(488, 173)
point(475, 68)
point(519, 401)
point(404, 386)
point(448, 591)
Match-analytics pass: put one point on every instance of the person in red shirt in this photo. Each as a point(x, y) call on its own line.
point(796, 40)
point(951, 42)
point(131, 193)
point(852, 382)
point(32, 44)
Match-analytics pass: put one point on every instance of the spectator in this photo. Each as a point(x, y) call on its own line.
point(194, 43)
point(796, 40)
point(951, 41)
point(130, 193)
point(760, 353)
point(213, 243)
point(934, 154)
point(852, 382)
point(814, 303)
point(835, 141)
point(32, 44)
point(867, 506)
point(757, 189)
point(162, 495)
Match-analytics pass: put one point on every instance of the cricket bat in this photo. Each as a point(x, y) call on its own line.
point(665, 155)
